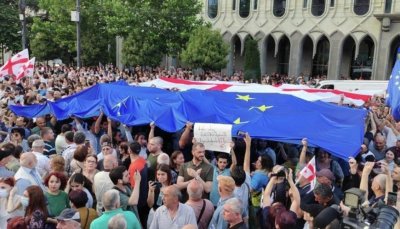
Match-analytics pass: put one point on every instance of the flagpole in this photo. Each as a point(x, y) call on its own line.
point(78, 35)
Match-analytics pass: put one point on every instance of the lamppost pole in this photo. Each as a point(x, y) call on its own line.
point(78, 34)
point(22, 18)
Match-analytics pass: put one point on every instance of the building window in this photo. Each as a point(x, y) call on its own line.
point(212, 8)
point(362, 66)
point(305, 3)
point(318, 7)
point(244, 8)
point(332, 3)
point(388, 6)
point(233, 4)
point(284, 56)
point(279, 8)
point(321, 59)
point(361, 7)
point(255, 4)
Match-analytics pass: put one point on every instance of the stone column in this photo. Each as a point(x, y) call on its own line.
point(335, 55)
point(296, 51)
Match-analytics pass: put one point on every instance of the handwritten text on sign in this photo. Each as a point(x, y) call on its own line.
point(216, 137)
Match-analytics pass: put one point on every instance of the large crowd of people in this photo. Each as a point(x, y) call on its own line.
point(98, 173)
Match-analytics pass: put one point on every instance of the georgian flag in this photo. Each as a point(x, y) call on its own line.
point(26, 70)
point(14, 64)
point(310, 173)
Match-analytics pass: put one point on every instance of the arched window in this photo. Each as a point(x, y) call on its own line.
point(318, 7)
point(244, 8)
point(332, 4)
point(361, 7)
point(321, 59)
point(388, 6)
point(279, 8)
point(212, 8)
point(233, 4)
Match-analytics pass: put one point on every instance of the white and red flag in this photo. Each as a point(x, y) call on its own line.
point(26, 70)
point(310, 172)
point(14, 64)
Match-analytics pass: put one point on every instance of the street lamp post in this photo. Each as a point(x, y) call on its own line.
point(22, 18)
point(75, 17)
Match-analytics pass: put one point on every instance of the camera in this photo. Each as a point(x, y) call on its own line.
point(379, 216)
point(157, 184)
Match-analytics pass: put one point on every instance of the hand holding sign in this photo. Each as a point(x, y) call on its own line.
point(216, 137)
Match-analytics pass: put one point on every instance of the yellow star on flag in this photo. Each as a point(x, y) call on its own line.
point(262, 108)
point(237, 121)
point(244, 97)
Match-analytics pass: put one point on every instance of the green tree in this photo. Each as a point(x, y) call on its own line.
point(151, 28)
point(251, 60)
point(206, 49)
point(56, 34)
point(10, 38)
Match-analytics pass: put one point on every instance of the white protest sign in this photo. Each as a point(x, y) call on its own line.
point(216, 137)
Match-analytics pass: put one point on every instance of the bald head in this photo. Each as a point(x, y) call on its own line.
point(195, 190)
point(109, 162)
point(28, 160)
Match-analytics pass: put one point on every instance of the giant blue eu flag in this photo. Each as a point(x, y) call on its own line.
point(393, 89)
point(271, 116)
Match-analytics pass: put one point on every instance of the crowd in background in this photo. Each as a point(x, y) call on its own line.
point(98, 173)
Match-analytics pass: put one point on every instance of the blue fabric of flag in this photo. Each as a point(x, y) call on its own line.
point(393, 89)
point(270, 116)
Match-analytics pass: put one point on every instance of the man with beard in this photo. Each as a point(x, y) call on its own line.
point(197, 169)
point(128, 198)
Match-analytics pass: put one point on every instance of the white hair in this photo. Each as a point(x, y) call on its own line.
point(163, 158)
point(117, 222)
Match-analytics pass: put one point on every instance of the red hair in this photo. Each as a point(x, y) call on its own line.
point(9, 180)
point(60, 176)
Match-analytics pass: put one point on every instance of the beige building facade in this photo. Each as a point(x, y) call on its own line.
point(337, 38)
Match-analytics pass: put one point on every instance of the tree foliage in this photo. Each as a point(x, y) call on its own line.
point(151, 28)
point(55, 34)
point(206, 49)
point(10, 28)
point(251, 60)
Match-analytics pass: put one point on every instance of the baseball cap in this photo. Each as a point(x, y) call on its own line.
point(69, 214)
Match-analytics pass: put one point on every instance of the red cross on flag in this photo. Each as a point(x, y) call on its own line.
point(309, 172)
point(26, 70)
point(14, 64)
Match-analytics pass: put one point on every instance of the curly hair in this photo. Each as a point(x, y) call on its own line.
point(60, 176)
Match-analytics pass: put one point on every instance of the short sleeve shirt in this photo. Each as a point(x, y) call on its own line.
point(206, 174)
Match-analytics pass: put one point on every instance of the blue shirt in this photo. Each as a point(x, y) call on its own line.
point(259, 180)
point(214, 194)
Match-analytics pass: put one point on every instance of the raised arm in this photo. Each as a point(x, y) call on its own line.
point(294, 194)
point(134, 198)
point(233, 155)
point(246, 162)
point(268, 191)
point(302, 159)
point(128, 134)
point(186, 136)
point(151, 133)
point(109, 129)
point(98, 123)
point(365, 177)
